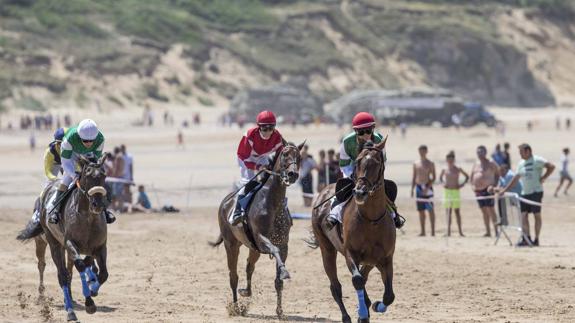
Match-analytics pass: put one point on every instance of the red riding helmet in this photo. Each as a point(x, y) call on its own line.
point(363, 120)
point(266, 117)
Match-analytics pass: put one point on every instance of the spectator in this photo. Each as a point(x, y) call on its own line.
point(322, 171)
point(505, 177)
point(117, 174)
point(128, 174)
point(506, 155)
point(530, 174)
point(306, 177)
point(452, 185)
point(32, 142)
point(498, 156)
point(485, 174)
point(143, 202)
point(422, 186)
point(333, 165)
point(568, 124)
point(564, 174)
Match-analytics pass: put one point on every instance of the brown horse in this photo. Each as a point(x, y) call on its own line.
point(269, 222)
point(368, 233)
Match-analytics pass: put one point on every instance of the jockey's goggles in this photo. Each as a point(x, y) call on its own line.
point(87, 141)
point(267, 127)
point(364, 131)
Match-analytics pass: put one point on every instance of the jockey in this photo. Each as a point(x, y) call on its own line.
point(364, 130)
point(254, 152)
point(84, 140)
point(52, 160)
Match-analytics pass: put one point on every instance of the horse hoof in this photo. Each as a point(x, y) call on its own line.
point(346, 319)
point(90, 306)
point(72, 316)
point(93, 293)
point(245, 292)
point(363, 320)
point(284, 275)
point(379, 307)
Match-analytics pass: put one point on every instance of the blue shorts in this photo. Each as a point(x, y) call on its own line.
point(422, 206)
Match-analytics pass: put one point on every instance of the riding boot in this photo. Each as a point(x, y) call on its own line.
point(238, 214)
point(110, 217)
point(331, 220)
point(54, 213)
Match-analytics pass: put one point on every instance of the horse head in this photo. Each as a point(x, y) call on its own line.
point(288, 163)
point(369, 169)
point(91, 182)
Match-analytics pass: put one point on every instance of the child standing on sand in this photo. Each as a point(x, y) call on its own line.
point(452, 199)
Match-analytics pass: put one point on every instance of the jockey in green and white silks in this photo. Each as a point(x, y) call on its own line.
point(86, 140)
point(364, 130)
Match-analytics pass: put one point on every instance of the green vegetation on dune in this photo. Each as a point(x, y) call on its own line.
point(277, 38)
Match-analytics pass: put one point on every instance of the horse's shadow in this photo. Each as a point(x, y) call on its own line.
point(295, 318)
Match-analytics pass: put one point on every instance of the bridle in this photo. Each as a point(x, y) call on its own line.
point(283, 173)
point(378, 183)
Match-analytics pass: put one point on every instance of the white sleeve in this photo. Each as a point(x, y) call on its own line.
point(347, 170)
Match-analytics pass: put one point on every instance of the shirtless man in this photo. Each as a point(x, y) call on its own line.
point(421, 184)
point(451, 187)
point(484, 174)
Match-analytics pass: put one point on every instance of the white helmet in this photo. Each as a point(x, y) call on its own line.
point(88, 129)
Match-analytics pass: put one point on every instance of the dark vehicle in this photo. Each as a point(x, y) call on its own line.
point(412, 107)
point(475, 113)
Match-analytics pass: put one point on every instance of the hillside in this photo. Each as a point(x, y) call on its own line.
point(118, 53)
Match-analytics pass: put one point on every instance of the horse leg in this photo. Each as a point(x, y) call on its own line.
point(359, 285)
point(250, 267)
point(58, 255)
point(275, 252)
point(386, 270)
point(279, 283)
point(70, 268)
point(364, 270)
point(232, 253)
point(82, 270)
point(98, 275)
point(41, 256)
point(329, 257)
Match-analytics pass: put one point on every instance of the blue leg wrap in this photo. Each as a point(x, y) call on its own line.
point(362, 310)
point(85, 290)
point(381, 308)
point(93, 282)
point(67, 298)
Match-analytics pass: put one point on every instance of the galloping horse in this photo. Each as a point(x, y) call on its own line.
point(81, 230)
point(368, 233)
point(268, 221)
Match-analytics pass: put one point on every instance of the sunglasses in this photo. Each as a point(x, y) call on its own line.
point(87, 141)
point(267, 128)
point(366, 131)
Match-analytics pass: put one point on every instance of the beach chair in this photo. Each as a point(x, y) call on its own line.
point(509, 217)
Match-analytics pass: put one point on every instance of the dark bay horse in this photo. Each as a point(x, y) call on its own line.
point(368, 233)
point(269, 222)
point(81, 231)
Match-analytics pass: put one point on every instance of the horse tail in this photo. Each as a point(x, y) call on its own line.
point(217, 242)
point(32, 230)
point(311, 241)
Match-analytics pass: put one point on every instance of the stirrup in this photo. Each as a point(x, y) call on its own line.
point(399, 221)
point(331, 222)
point(53, 217)
point(237, 219)
point(110, 217)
